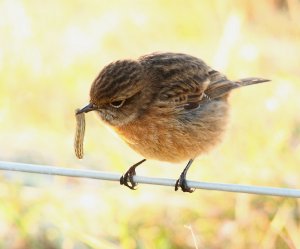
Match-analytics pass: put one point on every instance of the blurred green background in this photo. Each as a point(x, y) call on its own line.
point(50, 52)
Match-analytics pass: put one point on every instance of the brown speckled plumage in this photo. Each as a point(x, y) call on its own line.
point(166, 106)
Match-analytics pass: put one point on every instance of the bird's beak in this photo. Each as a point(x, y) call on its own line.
point(88, 108)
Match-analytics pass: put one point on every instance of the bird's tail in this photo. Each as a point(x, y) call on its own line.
point(223, 86)
point(250, 81)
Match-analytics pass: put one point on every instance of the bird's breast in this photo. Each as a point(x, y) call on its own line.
point(169, 138)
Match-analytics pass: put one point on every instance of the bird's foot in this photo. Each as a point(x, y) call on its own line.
point(182, 183)
point(127, 178)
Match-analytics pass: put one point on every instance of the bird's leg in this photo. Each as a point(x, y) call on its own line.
point(127, 178)
point(181, 182)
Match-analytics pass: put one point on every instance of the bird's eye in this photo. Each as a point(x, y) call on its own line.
point(191, 106)
point(117, 104)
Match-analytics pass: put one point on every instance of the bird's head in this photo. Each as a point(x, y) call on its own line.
point(119, 93)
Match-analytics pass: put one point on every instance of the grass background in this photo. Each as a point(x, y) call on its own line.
point(50, 52)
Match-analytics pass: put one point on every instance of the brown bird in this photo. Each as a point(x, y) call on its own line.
point(166, 106)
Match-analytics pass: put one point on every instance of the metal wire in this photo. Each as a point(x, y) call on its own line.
point(93, 174)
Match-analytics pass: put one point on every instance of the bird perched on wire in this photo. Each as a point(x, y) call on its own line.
point(166, 106)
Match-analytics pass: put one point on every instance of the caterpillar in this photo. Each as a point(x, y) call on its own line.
point(79, 134)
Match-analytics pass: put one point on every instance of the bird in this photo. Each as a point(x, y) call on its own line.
point(166, 106)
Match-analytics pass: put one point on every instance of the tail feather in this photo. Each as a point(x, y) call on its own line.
point(250, 81)
point(223, 86)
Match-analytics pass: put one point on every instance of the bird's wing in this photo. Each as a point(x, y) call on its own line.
point(186, 82)
point(219, 85)
point(180, 79)
point(187, 93)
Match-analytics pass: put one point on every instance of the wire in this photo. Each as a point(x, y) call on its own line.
point(93, 174)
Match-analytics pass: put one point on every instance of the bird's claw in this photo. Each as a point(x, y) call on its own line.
point(182, 183)
point(127, 179)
